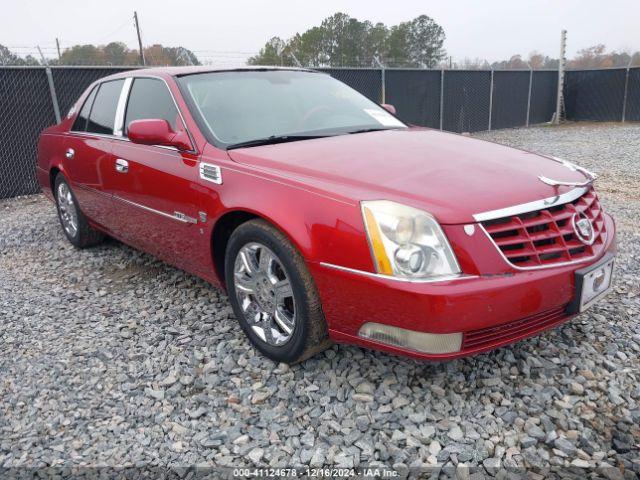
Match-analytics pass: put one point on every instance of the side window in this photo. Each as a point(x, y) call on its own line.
point(80, 124)
point(103, 112)
point(150, 98)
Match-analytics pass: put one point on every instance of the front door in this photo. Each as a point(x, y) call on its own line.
point(155, 189)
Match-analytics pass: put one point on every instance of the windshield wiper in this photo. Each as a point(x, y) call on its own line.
point(272, 140)
point(370, 129)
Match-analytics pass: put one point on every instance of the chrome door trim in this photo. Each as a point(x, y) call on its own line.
point(118, 124)
point(531, 206)
point(125, 139)
point(447, 278)
point(177, 216)
point(121, 110)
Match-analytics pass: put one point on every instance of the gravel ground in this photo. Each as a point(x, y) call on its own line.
point(109, 357)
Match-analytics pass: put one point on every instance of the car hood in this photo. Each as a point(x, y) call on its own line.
point(451, 176)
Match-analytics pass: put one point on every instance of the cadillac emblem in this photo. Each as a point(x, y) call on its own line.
point(583, 228)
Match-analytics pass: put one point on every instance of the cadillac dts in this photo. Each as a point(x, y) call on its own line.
point(324, 216)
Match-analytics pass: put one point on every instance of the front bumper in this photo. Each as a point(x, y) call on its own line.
point(490, 310)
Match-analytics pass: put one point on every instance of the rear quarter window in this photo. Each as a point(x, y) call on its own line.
point(80, 123)
point(103, 112)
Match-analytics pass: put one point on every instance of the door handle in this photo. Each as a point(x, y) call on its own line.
point(70, 153)
point(122, 166)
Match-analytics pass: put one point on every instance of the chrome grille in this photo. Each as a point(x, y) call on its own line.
point(547, 237)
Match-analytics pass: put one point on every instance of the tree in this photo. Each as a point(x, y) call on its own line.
point(377, 41)
point(341, 40)
point(308, 47)
point(160, 56)
point(538, 61)
point(271, 54)
point(597, 57)
point(425, 42)
point(117, 53)
point(397, 51)
point(7, 57)
point(514, 63)
point(83, 55)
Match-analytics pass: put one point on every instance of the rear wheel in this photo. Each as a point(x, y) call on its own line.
point(273, 294)
point(74, 224)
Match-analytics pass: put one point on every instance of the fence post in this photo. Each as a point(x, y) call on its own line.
point(491, 101)
point(54, 97)
point(52, 88)
point(624, 97)
point(561, 65)
point(383, 78)
point(529, 97)
point(441, 96)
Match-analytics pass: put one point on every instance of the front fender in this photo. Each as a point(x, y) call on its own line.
point(322, 227)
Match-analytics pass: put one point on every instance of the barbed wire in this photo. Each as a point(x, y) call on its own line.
point(236, 58)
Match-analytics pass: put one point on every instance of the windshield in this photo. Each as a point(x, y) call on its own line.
point(243, 108)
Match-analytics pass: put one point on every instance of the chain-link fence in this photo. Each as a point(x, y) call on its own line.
point(367, 81)
point(590, 96)
point(25, 110)
point(31, 98)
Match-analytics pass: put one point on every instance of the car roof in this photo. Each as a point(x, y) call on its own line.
point(178, 71)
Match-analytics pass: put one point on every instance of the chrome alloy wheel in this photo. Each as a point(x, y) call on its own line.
point(264, 294)
point(68, 211)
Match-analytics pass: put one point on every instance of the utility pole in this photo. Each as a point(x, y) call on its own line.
point(135, 19)
point(58, 47)
point(561, 66)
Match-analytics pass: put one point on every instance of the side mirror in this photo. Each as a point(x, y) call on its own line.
point(156, 131)
point(389, 108)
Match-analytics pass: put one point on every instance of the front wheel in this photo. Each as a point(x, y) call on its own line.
point(273, 294)
point(74, 224)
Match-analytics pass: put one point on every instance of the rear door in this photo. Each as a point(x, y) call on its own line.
point(157, 195)
point(88, 149)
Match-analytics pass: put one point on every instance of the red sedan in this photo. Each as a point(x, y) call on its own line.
point(324, 216)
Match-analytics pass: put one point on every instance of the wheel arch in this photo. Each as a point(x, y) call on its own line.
point(224, 228)
point(53, 173)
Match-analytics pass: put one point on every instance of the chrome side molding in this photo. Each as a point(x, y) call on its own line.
point(178, 216)
point(447, 278)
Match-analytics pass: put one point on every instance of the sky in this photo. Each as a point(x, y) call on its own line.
point(230, 31)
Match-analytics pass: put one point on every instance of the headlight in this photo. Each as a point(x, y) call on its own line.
point(407, 242)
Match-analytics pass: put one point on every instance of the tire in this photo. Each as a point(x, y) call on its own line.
point(73, 222)
point(257, 240)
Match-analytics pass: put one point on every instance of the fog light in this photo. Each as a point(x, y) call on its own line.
point(411, 340)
